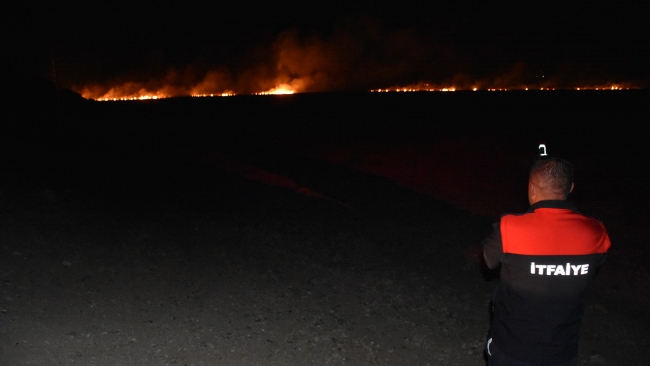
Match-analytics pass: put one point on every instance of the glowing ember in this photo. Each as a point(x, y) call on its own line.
point(423, 87)
point(507, 82)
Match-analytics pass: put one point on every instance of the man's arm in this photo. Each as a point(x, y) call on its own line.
point(493, 248)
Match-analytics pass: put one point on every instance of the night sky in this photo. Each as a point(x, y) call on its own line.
point(333, 46)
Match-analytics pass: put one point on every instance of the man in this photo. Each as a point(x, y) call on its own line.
point(548, 257)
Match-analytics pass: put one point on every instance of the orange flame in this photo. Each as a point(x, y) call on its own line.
point(419, 87)
point(424, 87)
point(126, 91)
point(279, 90)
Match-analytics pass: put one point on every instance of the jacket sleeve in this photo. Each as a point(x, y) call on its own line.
point(493, 248)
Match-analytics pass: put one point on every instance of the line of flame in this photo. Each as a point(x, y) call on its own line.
point(284, 90)
point(279, 90)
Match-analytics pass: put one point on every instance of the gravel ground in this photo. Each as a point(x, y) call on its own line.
point(327, 229)
point(241, 267)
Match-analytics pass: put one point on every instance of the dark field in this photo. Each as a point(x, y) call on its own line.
point(324, 229)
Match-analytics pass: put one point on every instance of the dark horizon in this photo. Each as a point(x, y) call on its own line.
point(252, 47)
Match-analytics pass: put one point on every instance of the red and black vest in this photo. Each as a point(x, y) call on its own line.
point(549, 256)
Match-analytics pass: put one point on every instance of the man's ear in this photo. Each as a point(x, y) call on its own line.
point(531, 188)
point(571, 190)
point(531, 192)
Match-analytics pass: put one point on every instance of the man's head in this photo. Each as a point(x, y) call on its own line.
point(550, 179)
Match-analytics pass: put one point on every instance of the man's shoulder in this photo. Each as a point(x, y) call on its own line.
point(547, 209)
point(551, 229)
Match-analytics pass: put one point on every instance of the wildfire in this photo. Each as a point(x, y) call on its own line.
point(224, 94)
point(298, 63)
point(420, 87)
point(112, 98)
point(117, 94)
point(135, 91)
point(141, 97)
point(285, 86)
point(605, 87)
point(280, 90)
point(426, 88)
